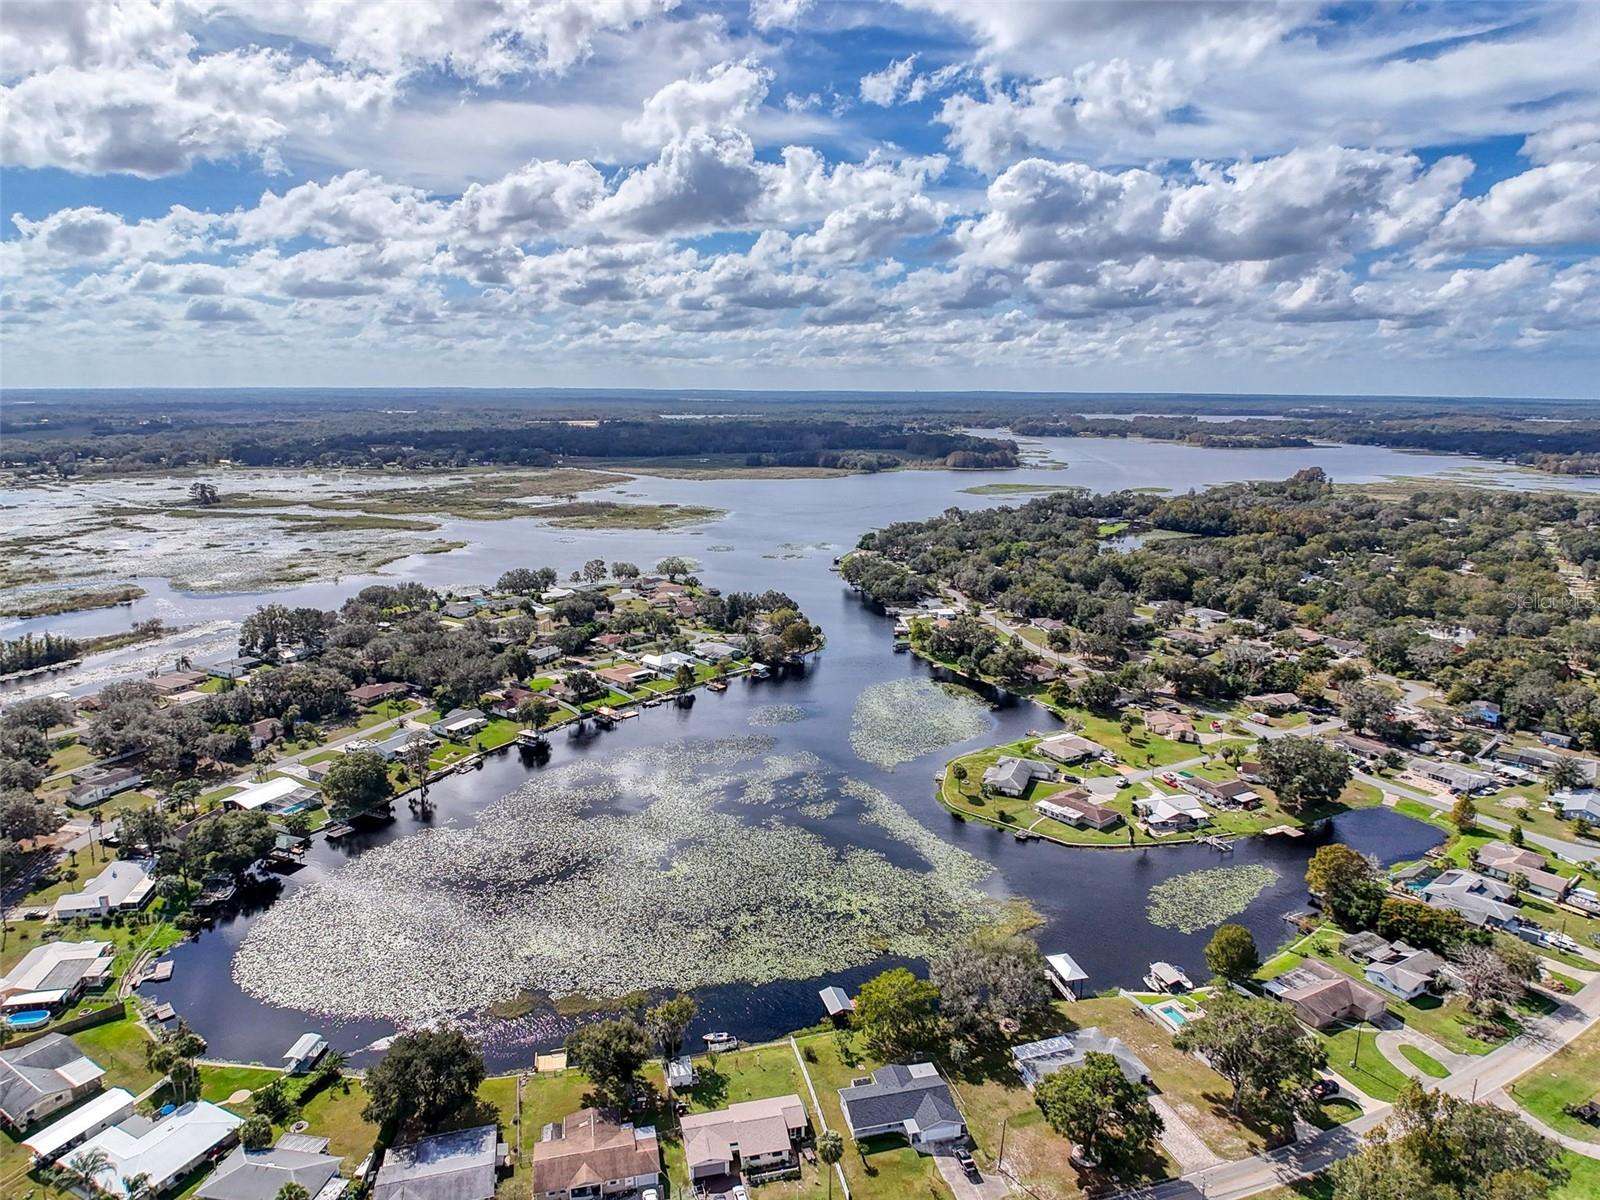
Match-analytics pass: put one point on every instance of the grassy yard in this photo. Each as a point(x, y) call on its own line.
point(1138, 747)
point(119, 1047)
point(890, 1170)
point(1354, 1054)
point(1424, 1062)
point(1570, 1076)
point(335, 1113)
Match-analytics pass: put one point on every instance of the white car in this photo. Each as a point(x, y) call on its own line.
point(739, 1193)
point(649, 1194)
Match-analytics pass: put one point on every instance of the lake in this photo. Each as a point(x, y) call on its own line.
point(780, 534)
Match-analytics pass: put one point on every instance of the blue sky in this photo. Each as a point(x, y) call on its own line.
point(1159, 195)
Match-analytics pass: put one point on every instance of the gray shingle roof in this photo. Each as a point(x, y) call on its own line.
point(897, 1094)
point(258, 1174)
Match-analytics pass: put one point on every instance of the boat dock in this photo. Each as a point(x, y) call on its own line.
point(1225, 845)
point(1292, 831)
point(1067, 976)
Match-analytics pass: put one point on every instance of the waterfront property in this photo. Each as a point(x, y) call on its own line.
point(55, 974)
point(42, 1077)
point(1403, 971)
point(1322, 996)
point(460, 1165)
point(754, 1139)
point(1069, 748)
point(459, 723)
point(261, 1174)
point(303, 1055)
point(588, 1155)
point(274, 796)
point(910, 1101)
point(1486, 903)
point(125, 885)
point(1171, 814)
point(163, 1151)
point(1076, 807)
point(1036, 1060)
point(1012, 776)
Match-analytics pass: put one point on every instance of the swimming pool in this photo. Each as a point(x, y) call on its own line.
point(28, 1018)
point(1173, 1013)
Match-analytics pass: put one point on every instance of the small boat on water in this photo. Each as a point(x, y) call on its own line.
point(529, 739)
point(1164, 977)
point(720, 1041)
point(336, 831)
point(760, 670)
point(901, 646)
point(716, 685)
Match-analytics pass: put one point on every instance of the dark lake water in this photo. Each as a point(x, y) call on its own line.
point(784, 534)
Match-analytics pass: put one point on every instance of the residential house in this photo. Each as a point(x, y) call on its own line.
point(753, 1138)
point(1171, 814)
point(1206, 617)
point(1068, 748)
point(1453, 776)
point(459, 723)
point(1404, 971)
point(1561, 741)
point(1075, 807)
point(911, 1101)
point(1486, 903)
point(233, 669)
point(715, 652)
point(460, 1165)
point(1343, 647)
point(170, 683)
point(681, 1073)
point(99, 785)
point(261, 1174)
point(1363, 749)
point(543, 656)
point(1231, 793)
point(1252, 772)
point(303, 1055)
point(1012, 776)
point(589, 1155)
point(42, 1076)
point(264, 732)
point(1035, 1060)
point(369, 695)
point(511, 698)
point(625, 676)
point(1192, 640)
point(110, 1107)
point(397, 745)
point(163, 1151)
point(125, 885)
point(667, 662)
point(1579, 803)
point(1274, 702)
point(460, 610)
point(56, 973)
point(1498, 860)
point(1484, 712)
point(272, 797)
point(1322, 995)
point(1170, 725)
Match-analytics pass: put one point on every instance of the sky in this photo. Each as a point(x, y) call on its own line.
point(1155, 195)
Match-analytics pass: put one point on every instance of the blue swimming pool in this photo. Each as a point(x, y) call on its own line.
point(28, 1018)
point(1173, 1013)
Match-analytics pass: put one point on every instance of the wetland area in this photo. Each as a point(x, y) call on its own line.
point(778, 835)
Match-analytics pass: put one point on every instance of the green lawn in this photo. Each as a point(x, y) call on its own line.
point(1584, 1179)
point(119, 1047)
point(335, 1113)
point(1571, 1076)
point(1423, 1061)
point(1354, 1054)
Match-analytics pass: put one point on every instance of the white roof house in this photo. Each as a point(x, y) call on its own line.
point(126, 883)
point(272, 796)
point(1582, 802)
point(56, 969)
point(106, 1109)
point(1068, 748)
point(1173, 812)
point(164, 1150)
point(668, 662)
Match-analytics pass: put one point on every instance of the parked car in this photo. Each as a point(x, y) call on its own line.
point(964, 1158)
point(739, 1192)
point(1323, 1088)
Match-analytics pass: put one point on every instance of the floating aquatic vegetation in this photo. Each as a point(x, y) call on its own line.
point(898, 721)
point(721, 548)
point(1200, 898)
point(599, 878)
point(777, 714)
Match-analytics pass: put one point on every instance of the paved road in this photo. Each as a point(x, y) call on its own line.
point(1483, 1077)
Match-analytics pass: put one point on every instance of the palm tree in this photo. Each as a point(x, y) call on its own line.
point(830, 1149)
point(86, 1166)
point(137, 1187)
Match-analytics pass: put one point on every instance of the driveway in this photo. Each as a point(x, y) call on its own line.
point(992, 1187)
